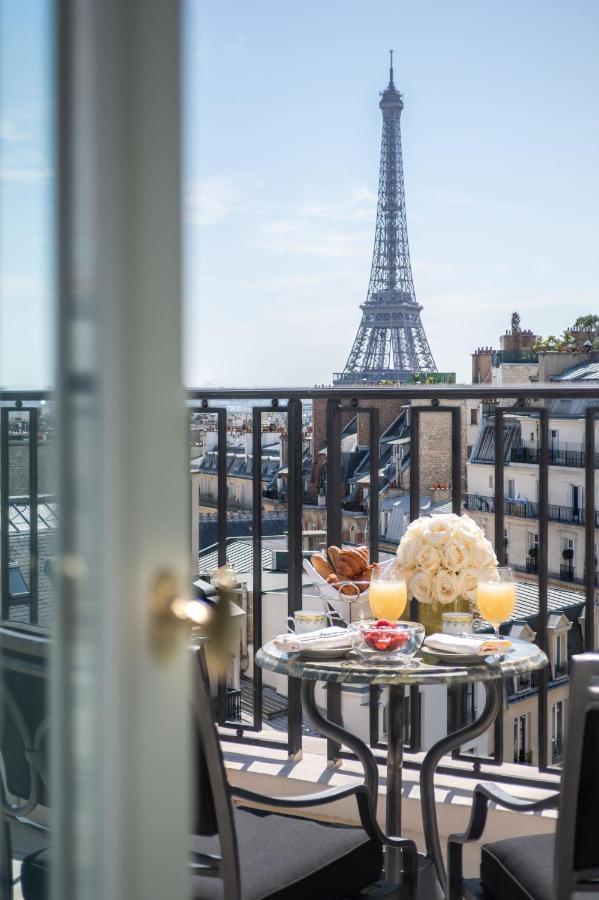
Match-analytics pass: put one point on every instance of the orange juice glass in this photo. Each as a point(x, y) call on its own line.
point(387, 596)
point(496, 599)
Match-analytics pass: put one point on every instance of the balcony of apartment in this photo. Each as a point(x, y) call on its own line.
point(529, 509)
point(268, 740)
point(556, 751)
point(513, 357)
point(572, 456)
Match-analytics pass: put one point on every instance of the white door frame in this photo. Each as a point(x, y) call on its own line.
point(121, 754)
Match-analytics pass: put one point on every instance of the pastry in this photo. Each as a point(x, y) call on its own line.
point(322, 565)
point(363, 551)
point(367, 573)
point(347, 563)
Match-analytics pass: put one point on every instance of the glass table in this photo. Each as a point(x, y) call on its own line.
point(523, 657)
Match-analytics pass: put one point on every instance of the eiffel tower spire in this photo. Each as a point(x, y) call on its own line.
point(391, 344)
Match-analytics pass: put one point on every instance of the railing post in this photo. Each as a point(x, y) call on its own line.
point(222, 486)
point(374, 484)
point(4, 500)
point(589, 530)
point(543, 562)
point(257, 558)
point(499, 486)
point(334, 538)
point(294, 570)
point(414, 513)
point(33, 523)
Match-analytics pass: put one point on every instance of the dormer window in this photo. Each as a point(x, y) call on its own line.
point(558, 627)
point(522, 632)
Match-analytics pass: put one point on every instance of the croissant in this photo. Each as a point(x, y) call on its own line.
point(347, 563)
point(367, 573)
point(322, 565)
point(363, 551)
point(348, 588)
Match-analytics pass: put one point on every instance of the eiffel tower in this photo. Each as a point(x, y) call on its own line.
point(391, 344)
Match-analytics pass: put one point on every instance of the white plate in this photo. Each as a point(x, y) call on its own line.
point(463, 659)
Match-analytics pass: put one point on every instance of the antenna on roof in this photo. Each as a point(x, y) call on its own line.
point(391, 67)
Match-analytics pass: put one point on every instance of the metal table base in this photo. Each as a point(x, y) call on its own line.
point(395, 742)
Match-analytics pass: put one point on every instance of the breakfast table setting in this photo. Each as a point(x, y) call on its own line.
point(448, 566)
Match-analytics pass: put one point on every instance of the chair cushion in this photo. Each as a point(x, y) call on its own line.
point(288, 858)
point(35, 876)
point(519, 868)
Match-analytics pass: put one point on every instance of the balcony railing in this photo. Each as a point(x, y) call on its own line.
point(524, 757)
point(514, 356)
point(560, 670)
point(528, 509)
point(556, 751)
point(339, 402)
point(532, 566)
point(566, 572)
point(573, 458)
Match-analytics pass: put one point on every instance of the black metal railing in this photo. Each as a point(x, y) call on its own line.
point(524, 757)
point(523, 683)
point(341, 402)
point(566, 572)
point(556, 751)
point(532, 566)
point(560, 670)
point(514, 356)
point(573, 458)
point(529, 509)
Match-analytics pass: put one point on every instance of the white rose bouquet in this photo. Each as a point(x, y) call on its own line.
point(443, 557)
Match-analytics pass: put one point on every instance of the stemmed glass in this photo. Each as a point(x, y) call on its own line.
point(496, 599)
point(388, 593)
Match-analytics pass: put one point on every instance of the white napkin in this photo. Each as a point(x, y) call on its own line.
point(466, 644)
point(322, 639)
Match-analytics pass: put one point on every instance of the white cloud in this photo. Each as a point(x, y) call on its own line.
point(211, 201)
point(25, 174)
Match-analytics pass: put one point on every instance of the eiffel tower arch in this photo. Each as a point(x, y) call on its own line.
point(390, 344)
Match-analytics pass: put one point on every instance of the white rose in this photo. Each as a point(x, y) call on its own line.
point(428, 558)
point(483, 555)
point(446, 586)
point(469, 531)
point(417, 527)
point(468, 581)
point(456, 555)
point(407, 550)
point(421, 587)
point(438, 531)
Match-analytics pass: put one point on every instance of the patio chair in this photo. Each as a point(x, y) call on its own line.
point(260, 855)
point(544, 866)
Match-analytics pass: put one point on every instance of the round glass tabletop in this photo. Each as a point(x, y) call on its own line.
point(421, 669)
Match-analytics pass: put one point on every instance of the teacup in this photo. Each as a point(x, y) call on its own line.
point(304, 620)
point(457, 623)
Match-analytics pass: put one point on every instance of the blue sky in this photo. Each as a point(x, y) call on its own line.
point(282, 132)
point(26, 185)
point(501, 152)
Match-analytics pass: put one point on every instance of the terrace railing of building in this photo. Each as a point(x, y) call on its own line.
point(570, 457)
point(430, 399)
point(529, 509)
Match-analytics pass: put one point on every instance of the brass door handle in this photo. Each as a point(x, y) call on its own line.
point(172, 615)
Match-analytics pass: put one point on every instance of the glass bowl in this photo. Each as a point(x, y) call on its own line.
point(384, 640)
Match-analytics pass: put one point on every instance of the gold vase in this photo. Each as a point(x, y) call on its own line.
point(430, 614)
